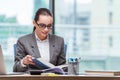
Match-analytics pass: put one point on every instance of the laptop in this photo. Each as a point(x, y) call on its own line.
point(2, 65)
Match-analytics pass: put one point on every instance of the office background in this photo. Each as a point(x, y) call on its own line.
point(91, 29)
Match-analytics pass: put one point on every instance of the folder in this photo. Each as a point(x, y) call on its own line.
point(103, 72)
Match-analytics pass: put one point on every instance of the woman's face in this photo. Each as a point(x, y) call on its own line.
point(43, 27)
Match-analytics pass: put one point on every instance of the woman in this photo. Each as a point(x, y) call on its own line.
point(39, 44)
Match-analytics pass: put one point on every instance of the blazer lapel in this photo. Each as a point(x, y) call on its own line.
point(51, 45)
point(34, 46)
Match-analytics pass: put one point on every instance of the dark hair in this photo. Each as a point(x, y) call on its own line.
point(41, 11)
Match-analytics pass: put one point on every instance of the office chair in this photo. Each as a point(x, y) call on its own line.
point(14, 46)
point(65, 48)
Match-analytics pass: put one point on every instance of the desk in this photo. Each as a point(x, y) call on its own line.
point(38, 77)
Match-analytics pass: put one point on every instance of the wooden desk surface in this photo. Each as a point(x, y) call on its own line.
point(62, 77)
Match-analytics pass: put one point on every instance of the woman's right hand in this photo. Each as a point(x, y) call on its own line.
point(28, 60)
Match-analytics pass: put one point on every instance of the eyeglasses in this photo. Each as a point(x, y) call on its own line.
point(43, 26)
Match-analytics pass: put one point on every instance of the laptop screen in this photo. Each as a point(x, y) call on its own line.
point(2, 64)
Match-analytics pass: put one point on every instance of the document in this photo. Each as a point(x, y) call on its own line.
point(48, 67)
point(41, 63)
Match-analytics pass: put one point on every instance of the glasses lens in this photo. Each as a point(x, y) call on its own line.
point(42, 25)
point(49, 26)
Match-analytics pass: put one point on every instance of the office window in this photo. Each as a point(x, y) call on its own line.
point(91, 32)
point(110, 17)
point(110, 41)
point(16, 18)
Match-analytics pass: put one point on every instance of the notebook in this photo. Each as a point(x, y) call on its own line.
point(47, 67)
point(2, 65)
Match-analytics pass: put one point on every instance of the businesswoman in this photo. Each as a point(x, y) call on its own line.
point(39, 44)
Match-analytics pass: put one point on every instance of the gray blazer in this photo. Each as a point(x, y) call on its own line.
point(27, 45)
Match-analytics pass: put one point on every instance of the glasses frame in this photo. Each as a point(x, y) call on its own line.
point(43, 26)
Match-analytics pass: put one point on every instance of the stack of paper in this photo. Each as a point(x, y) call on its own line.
point(103, 72)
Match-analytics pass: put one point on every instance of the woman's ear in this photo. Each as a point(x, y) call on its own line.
point(34, 23)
